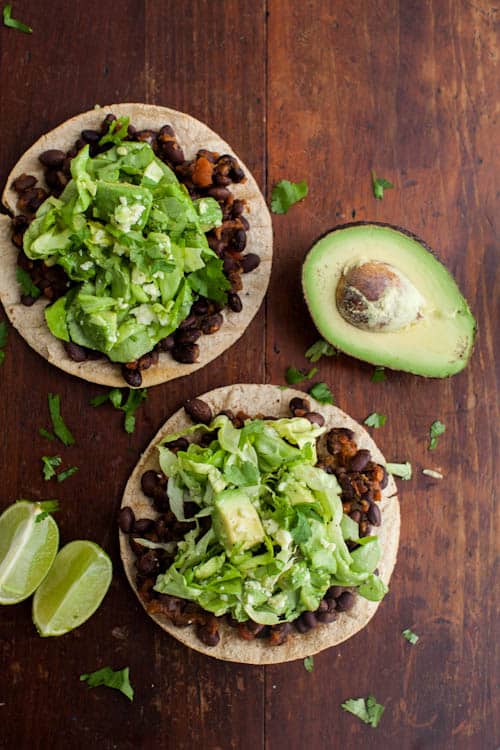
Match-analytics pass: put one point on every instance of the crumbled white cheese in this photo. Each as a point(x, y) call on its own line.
point(432, 473)
point(144, 314)
point(86, 266)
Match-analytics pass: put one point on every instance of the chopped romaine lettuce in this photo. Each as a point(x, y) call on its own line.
point(133, 244)
point(276, 543)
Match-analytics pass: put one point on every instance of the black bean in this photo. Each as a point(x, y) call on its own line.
point(323, 606)
point(230, 264)
point(334, 592)
point(208, 155)
point(189, 322)
point(237, 174)
point(186, 353)
point(198, 410)
point(221, 179)
point(126, 519)
point(250, 262)
point(218, 246)
point(107, 122)
point(345, 601)
point(166, 344)
point(279, 633)
point(200, 307)
point(246, 225)
point(385, 478)
point(167, 130)
point(53, 158)
point(91, 136)
point(146, 136)
point(356, 516)
point(299, 403)
point(234, 302)
point(220, 194)
point(148, 563)
point(301, 626)
point(374, 515)
point(149, 481)
point(181, 444)
point(136, 548)
point(309, 618)
point(364, 529)
point(237, 208)
point(143, 525)
point(27, 301)
point(132, 377)
point(24, 182)
point(326, 617)
point(187, 335)
point(208, 634)
point(239, 240)
point(359, 461)
point(75, 352)
point(145, 361)
point(211, 323)
point(315, 418)
point(172, 152)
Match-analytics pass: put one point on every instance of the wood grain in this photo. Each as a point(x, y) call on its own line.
point(325, 92)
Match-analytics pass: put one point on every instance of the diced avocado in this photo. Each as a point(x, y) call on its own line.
point(236, 521)
point(377, 293)
point(127, 206)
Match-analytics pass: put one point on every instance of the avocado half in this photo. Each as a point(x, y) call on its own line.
point(377, 293)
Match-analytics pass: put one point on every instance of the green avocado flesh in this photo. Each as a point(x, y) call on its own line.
point(132, 243)
point(439, 339)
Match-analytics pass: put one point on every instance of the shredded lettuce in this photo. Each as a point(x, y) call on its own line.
point(278, 536)
point(133, 244)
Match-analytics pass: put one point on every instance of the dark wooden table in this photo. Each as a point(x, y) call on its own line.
point(301, 89)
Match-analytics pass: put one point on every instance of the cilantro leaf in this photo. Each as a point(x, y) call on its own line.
point(118, 131)
point(118, 680)
point(12, 23)
point(309, 663)
point(436, 429)
point(3, 339)
point(115, 396)
point(320, 349)
point(403, 471)
point(47, 506)
point(285, 194)
point(322, 393)
point(50, 463)
point(60, 429)
point(67, 473)
point(375, 420)
point(46, 434)
point(378, 375)
point(26, 284)
point(366, 709)
point(302, 530)
point(379, 184)
point(210, 281)
point(410, 636)
point(292, 375)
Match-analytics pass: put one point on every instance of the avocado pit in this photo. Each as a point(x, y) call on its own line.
point(376, 296)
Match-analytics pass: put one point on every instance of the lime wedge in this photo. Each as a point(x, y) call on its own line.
point(27, 550)
point(74, 588)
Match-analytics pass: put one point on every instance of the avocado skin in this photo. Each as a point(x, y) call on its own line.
point(411, 235)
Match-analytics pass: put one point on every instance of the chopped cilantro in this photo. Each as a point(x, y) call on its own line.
point(67, 473)
point(115, 396)
point(301, 531)
point(378, 185)
point(378, 375)
point(46, 434)
point(27, 286)
point(320, 349)
point(47, 506)
point(437, 428)
point(3, 339)
point(403, 471)
point(285, 194)
point(366, 709)
point(118, 131)
point(321, 393)
point(309, 663)
point(292, 375)
point(13, 23)
point(50, 463)
point(410, 636)
point(118, 680)
point(60, 429)
point(375, 420)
